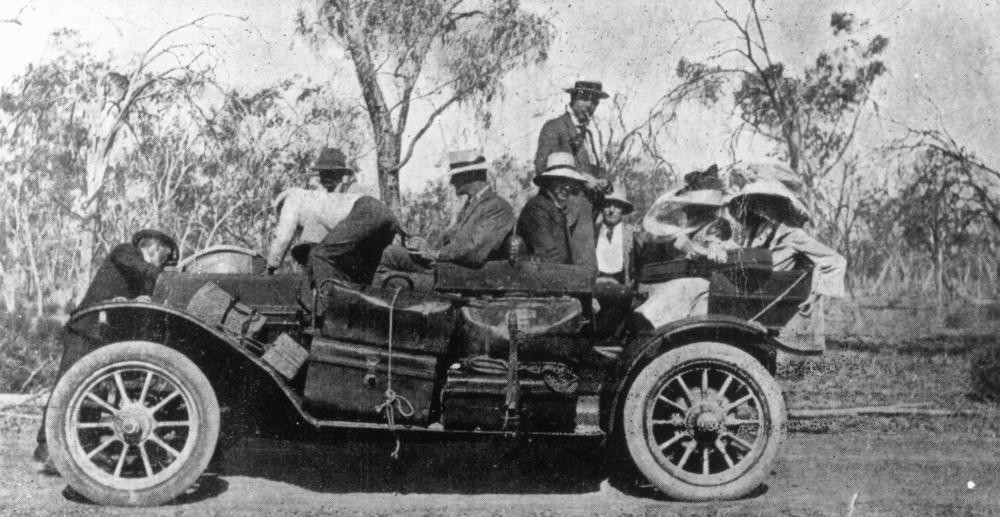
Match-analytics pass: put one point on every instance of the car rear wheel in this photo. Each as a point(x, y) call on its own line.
point(132, 424)
point(704, 422)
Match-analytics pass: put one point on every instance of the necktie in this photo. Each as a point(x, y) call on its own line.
point(611, 232)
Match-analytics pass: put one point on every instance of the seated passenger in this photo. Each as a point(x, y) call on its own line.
point(347, 232)
point(614, 238)
point(770, 214)
point(479, 231)
point(543, 223)
point(688, 224)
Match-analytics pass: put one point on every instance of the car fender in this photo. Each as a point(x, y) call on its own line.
point(751, 337)
point(233, 370)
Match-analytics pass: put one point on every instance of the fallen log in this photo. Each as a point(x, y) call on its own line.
point(893, 410)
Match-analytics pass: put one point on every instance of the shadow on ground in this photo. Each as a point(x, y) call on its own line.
point(491, 465)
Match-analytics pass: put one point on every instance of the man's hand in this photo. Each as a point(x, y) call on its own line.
point(144, 299)
point(717, 253)
point(806, 308)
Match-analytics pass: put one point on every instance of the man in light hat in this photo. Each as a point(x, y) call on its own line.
point(129, 271)
point(571, 133)
point(544, 223)
point(479, 231)
point(614, 238)
point(343, 233)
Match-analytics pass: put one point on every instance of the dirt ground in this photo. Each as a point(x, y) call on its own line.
point(903, 473)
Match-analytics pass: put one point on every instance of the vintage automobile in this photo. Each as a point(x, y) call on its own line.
point(515, 348)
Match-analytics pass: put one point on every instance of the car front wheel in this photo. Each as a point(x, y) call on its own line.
point(704, 422)
point(133, 423)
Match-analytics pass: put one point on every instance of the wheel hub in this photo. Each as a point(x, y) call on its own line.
point(133, 424)
point(705, 422)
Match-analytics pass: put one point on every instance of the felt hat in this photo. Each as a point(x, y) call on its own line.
point(559, 165)
point(167, 241)
point(591, 88)
point(332, 159)
point(466, 160)
point(618, 196)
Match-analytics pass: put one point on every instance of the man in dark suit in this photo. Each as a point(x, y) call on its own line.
point(479, 231)
point(544, 223)
point(129, 271)
point(570, 133)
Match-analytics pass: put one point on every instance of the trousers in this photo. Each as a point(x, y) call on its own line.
point(353, 248)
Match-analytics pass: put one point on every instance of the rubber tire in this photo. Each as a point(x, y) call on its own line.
point(633, 421)
point(206, 410)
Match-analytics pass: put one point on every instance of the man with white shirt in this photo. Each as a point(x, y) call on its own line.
point(614, 238)
point(343, 234)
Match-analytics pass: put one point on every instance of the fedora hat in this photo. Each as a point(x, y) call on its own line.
point(591, 88)
point(150, 233)
point(559, 165)
point(466, 160)
point(332, 159)
point(619, 196)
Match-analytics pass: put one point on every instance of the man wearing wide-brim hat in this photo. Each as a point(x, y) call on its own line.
point(614, 237)
point(129, 271)
point(544, 223)
point(479, 230)
point(343, 233)
point(572, 132)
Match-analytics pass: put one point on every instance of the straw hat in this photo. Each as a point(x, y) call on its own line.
point(466, 160)
point(593, 89)
point(559, 165)
point(774, 193)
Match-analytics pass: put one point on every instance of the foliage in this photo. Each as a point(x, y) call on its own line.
point(440, 52)
point(812, 117)
point(199, 162)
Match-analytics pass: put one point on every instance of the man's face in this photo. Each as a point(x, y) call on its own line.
point(154, 252)
point(612, 213)
point(562, 189)
point(335, 181)
point(583, 107)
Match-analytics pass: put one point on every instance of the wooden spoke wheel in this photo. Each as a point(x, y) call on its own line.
point(704, 422)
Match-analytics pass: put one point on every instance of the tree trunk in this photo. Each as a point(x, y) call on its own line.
point(939, 283)
point(388, 172)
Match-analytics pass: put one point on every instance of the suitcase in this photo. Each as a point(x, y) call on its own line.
point(216, 307)
point(477, 401)
point(349, 381)
point(422, 321)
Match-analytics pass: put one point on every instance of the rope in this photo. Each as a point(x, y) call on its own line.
point(780, 296)
point(393, 401)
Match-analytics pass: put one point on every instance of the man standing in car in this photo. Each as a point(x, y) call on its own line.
point(571, 133)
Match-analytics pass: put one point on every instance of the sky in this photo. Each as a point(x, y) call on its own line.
point(943, 69)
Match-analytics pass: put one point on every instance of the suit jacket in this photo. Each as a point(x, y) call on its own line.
point(560, 134)
point(545, 230)
point(479, 232)
point(123, 273)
